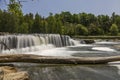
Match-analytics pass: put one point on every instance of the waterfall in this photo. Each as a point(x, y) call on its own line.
point(23, 40)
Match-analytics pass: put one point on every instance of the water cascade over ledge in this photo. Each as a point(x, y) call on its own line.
point(54, 45)
point(22, 43)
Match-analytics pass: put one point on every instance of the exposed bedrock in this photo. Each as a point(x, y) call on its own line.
point(29, 58)
point(11, 73)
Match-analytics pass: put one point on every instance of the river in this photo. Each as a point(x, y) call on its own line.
point(50, 47)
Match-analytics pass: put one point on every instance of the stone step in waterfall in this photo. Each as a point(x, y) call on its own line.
point(23, 40)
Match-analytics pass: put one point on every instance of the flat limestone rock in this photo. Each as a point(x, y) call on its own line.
point(11, 73)
point(8, 69)
point(16, 76)
point(30, 58)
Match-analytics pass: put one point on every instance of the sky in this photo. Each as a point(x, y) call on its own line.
point(44, 7)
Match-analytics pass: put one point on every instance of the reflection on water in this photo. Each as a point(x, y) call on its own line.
point(71, 72)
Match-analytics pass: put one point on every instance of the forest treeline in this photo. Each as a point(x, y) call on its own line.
point(13, 21)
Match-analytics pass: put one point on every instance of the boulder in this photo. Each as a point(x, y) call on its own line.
point(89, 41)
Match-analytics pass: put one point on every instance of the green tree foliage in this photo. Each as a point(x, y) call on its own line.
point(66, 23)
point(94, 30)
point(15, 8)
point(116, 19)
point(9, 23)
point(104, 22)
point(23, 28)
point(44, 25)
point(51, 24)
point(36, 28)
point(87, 19)
point(81, 30)
point(69, 29)
point(114, 29)
point(66, 17)
point(28, 18)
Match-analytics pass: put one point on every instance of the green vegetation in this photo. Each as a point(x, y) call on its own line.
point(13, 21)
point(97, 37)
point(114, 29)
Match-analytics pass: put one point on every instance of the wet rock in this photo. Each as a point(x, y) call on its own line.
point(4, 33)
point(89, 41)
point(11, 73)
point(117, 47)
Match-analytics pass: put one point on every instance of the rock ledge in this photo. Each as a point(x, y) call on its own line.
point(11, 73)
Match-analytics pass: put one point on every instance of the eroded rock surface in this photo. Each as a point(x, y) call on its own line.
point(11, 73)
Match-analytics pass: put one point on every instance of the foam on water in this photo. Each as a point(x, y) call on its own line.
point(104, 49)
point(53, 52)
point(44, 50)
point(107, 42)
point(28, 49)
point(84, 45)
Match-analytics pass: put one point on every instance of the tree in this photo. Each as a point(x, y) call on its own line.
point(51, 24)
point(113, 17)
point(114, 29)
point(23, 28)
point(15, 8)
point(66, 17)
point(94, 30)
point(104, 23)
point(87, 19)
point(28, 18)
point(44, 26)
point(9, 23)
point(117, 20)
point(75, 19)
point(36, 28)
point(81, 30)
point(83, 19)
point(58, 26)
point(1, 19)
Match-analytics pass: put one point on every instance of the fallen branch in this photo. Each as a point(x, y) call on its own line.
point(29, 58)
point(4, 45)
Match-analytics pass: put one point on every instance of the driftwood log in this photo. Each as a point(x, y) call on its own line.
point(29, 58)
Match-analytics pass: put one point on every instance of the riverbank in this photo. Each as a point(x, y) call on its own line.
point(97, 37)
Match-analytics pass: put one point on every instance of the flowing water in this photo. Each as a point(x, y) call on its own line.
point(57, 45)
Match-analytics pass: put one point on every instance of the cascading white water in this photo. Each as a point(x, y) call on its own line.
point(33, 42)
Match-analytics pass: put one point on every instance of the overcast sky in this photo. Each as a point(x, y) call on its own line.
point(44, 7)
